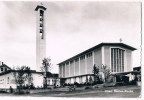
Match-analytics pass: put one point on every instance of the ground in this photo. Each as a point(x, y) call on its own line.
point(118, 92)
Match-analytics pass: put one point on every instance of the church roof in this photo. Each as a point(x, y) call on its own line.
point(98, 46)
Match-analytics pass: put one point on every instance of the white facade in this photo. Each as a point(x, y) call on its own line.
point(116, 56)
point(7, 80)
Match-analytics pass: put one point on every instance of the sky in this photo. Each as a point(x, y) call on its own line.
point(71, 27)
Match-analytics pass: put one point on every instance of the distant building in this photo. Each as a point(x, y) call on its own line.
point(116, 56)
point(7, 78)
point(3, 67)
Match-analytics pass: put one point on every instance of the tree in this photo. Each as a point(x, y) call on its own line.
point(90, 80)
point(86, 79)
point(96, 73)
point(29, 76)
point(107, 72)
point(46, 65)
point(21, 74)
point(19, 77)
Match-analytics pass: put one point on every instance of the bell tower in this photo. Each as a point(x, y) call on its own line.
point(40, 36)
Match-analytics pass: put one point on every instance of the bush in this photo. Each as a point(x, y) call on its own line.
point(3, 91)
point(98, 82)
point(88, 87)
point(32, 86)
point(20, 92)
point(65, 84)
point(133, 82)
point(76, 83)
point(11, 89)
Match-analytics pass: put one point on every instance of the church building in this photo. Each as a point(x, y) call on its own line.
point(116, 56)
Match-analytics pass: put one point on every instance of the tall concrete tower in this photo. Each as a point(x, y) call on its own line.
point(40, 36)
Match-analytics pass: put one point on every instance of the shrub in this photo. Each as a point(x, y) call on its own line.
point(65, 84)
point(133, 82)
point(87, 88)
point(20, 92)
point(32, 86)
point(3, 91)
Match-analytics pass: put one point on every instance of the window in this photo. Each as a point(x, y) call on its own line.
point(5, 69)
point(76, 59)
point(41, 30)
point(41, 25)
point(82, 57)
point(8, 80)
point(1, 69)
point(41, 13)
point(48, 82)
point(117, 60)
point(41, 19)
point(71, 62)
point(41, 34)
point(52, 82)
point(89, 54)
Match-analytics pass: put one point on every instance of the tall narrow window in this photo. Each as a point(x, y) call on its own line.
point(41, 13)
point(8, 80)
point(117, 60)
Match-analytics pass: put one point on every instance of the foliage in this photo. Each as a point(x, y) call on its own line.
point(29, 76)
point(96, 74)
point(46, 65)
point(107, 72)
point(46, 62)
point(95, 70)
point(21, 74)
point(90, 80)
point(87, 79)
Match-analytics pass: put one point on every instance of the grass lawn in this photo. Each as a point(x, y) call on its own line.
point(121, 91)
point(105, 92)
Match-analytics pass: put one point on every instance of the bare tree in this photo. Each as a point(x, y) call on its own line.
point(19, 77)
point(29, 76)
point(21, 74)
point(46, 65)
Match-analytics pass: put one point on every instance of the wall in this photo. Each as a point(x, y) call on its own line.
point(63, 70)
point(90, 65)
point(5, 83)
point(71, 68)
point(107, 56)
point(51, 81)
point(127, 57)
point(129, 60)
point(37, 80)
point(98, 57)
point(82, 66)
point(60, 71)
point(67, 70)
point(77, 67)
